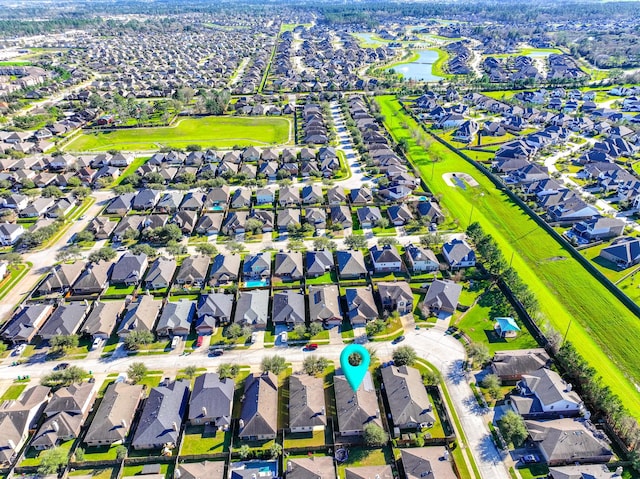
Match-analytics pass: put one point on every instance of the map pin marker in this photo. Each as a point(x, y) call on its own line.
point(355, 374)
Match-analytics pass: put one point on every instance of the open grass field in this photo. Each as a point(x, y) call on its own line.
point(567, 293)
point(206, 131)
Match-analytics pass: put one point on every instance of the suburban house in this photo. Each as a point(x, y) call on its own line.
point(288, 266)
point(324, 304)
point(396, 296)
point(318, 262)
point(510, 366)
point(17, 418)
point(407, 397)
point(200, 470)
point(426, 462)
point(103, 318)
point(595, 229)
point(386, 259)
point(341, 215)
point(10, 233)
point(257, 266)
point(624, 252)
point(112, 421)
point(356, 409)
point(421, 260)
point(26, 322)
point(252, 309)
point(458, 254)
point(351, 264)
point(211, 401)
point(442, 296)
point(64, 415)
point(259, 414)
point(140, 316)
point(176, 317)
point(193, 271)
point(583, 471)
point(568, 441)
point(61, 277)
point(361, 306)
point(288, 308)
point(306, 404)
point(209, 224)
point(65, 320)
point(160, 274)
point(369, 472)
point(368, 216)
point(224, 269)
point(214, 309)
point(312, 467)
point(129, 269)
point(543, 394)
point(162, 416)
point(93, 280)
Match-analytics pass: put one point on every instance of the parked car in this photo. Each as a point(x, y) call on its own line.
point(96, 343)
point(61, 367)
point(311, 347)
point(530, 459)
point(199, 341)
point(19, 349)
point(175, 341)
point(399, 339)
point(216, 352)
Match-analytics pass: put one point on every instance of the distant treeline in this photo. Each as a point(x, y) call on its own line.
point(37, 27)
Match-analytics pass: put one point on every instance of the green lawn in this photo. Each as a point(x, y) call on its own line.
point(13, 392)
point(315, 439)
point(15, 275)
point(94, 473)
point(102, 453)
point(32, 457)
point(360, 457)
point(131, 169)
point(208, 131)
point(564, 289)
point(197, 442)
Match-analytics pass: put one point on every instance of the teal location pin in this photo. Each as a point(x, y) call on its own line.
point(355, 374)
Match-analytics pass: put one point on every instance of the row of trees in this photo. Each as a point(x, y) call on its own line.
point(496, 264)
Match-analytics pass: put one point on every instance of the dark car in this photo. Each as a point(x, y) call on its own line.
point(216, 352)
point(61, 367)
point(399, 339)
point(530, 459)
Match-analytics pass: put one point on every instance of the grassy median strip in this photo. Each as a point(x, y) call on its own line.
point(568, 294)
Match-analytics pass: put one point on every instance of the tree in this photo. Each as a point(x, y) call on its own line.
point(13, 259)
point(375, 327)
point(382, 223)
point(228, 370)
point(275, 364)
point(374, 435)
point(404, 356)
point(103, 254)
point(3, 347)
point(83, 236)
point(52, 191)
point(300, 330)
point(235, 246)
point(207, 249)
point(67, 377)
point(324, 243)
point(431, 378)
point(314, 364)
point(81, 192)
point(492, 383)
point(137, 371)
point(52, 460)
point(478, 353)
point(190, 371)
point(174, 248)
point(61, 343)
point(513, 429)
point(234, 331)
point(275, 450)
point(135, 339)
point(244, 451)
point(315, 328)
point(254, 225)
point(121, 452)
point(388, 241)
point(145, 249)
point(79, 455)
point(355, 241)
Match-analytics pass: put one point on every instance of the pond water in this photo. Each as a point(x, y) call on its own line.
point(539, 54)
point(421, 69)
point(367, 38)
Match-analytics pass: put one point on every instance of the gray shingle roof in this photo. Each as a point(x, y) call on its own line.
point(306, 401)
point(260, 406)
point(212, 398)
point(408, 398)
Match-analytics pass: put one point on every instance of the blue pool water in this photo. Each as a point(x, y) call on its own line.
point(217, 208)
point(264, 469)
point(256, 283)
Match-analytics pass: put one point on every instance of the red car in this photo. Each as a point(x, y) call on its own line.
point(312, 347)
point(199, 341)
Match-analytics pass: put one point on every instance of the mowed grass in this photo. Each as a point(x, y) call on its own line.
point(207, 131)
point(602, 328)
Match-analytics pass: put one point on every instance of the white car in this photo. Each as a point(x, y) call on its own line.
point(96, 343)
point(19, 349)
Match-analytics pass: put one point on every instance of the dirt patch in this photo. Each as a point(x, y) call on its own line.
point(459, 179)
